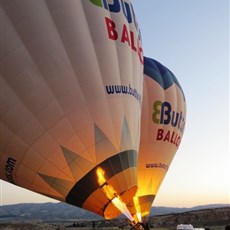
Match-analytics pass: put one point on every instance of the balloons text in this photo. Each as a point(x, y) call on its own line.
point(119, 6)
point(9, 168)
point(124, 36)
point(168, 136)
point(163, 114)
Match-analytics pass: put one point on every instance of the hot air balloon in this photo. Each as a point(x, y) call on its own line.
point(162, 127)
point(71, 92)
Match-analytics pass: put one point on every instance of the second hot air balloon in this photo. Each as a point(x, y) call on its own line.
point(162, 127)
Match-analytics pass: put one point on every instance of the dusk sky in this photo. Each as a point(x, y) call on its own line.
point(191, 38)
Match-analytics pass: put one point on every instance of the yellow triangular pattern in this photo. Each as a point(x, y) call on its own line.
point(61, 186)
point(126, 140)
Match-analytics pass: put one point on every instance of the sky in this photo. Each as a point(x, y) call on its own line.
point(191, 38)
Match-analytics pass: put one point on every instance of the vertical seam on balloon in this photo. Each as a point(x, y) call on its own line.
point(73, 70)
point(115, 46)
point(108, 110)
point(99, 68)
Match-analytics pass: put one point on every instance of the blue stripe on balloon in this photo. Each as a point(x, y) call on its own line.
point(159, 73)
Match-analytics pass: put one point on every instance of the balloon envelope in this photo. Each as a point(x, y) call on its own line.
point(162, 127)
point(71, 91)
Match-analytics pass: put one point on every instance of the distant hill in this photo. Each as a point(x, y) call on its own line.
point(45, 211)
point(65, 212)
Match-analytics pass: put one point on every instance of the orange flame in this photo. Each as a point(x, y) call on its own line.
point(111, 193)
point(137, 208)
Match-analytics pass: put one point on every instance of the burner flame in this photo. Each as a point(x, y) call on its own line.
point(111, 194)
point(137, 208)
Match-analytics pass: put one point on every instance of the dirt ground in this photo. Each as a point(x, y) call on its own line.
point(43, 226)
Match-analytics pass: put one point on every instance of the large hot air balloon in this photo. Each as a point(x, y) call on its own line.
point(71, 91)
point(162, 127)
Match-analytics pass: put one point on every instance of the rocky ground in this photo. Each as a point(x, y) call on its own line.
point(40, 226)
point(200, 218)
point(212, 219)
